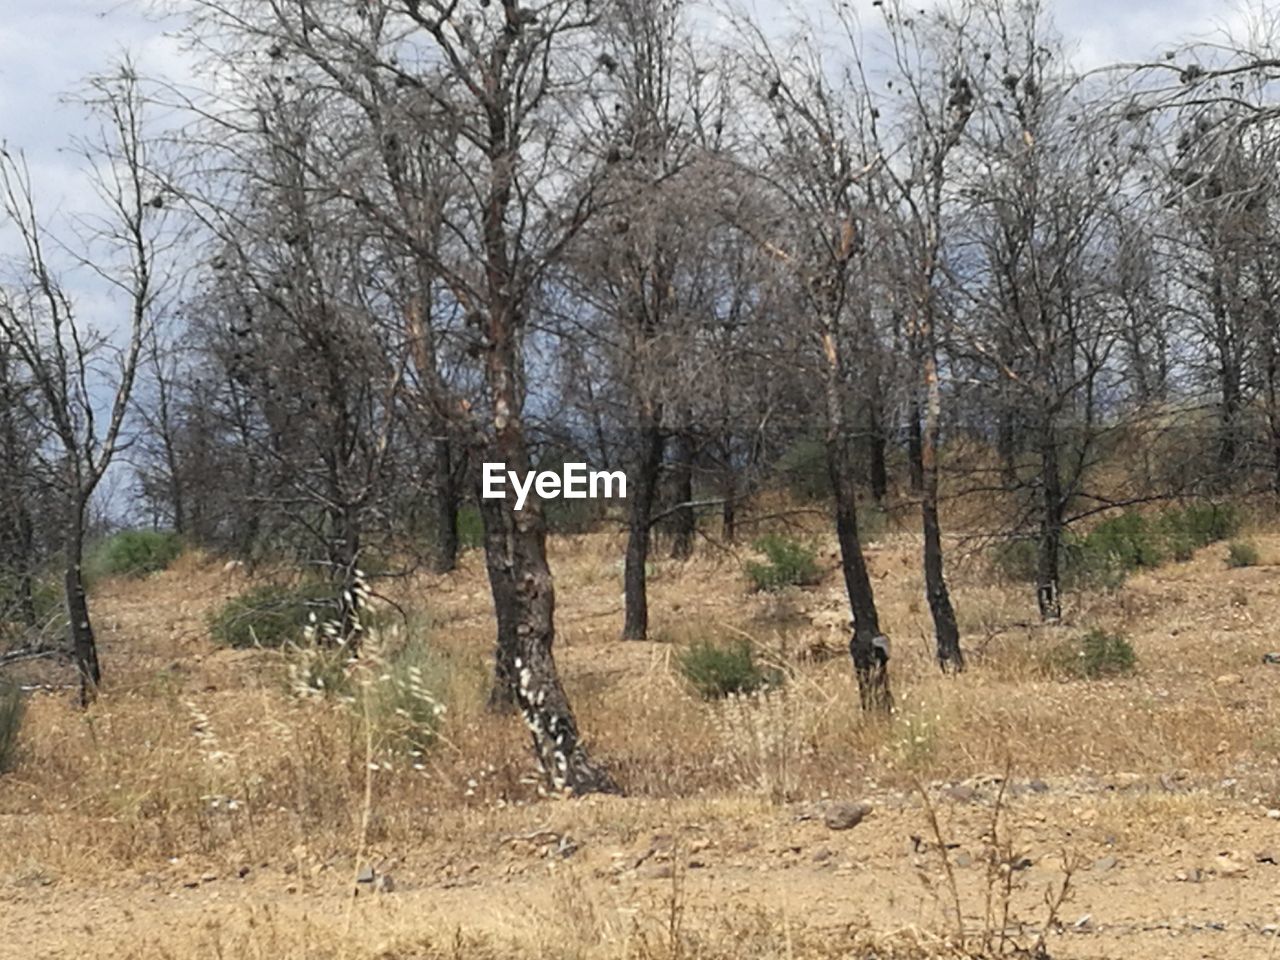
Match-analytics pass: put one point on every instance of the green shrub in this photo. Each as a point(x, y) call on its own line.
point(1129, 539)
point(133, 553)
point(1123, 543)
point(1206, 523)
point(1241, 553)
point(11, 712)
point(716, 670)
point(789, 563)
point(272, 615)
point(1096, 654)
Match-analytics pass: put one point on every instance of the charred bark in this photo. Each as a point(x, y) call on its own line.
point(868, 647)
point(447, 499)
point(877, 458)
point(644, 485)
point(1048, 565)
point(526, 674)
point(684, 523)
point(946, 631)
point(84, 648)
point(915, 447)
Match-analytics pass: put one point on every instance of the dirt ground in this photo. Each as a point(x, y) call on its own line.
point(1153, 797)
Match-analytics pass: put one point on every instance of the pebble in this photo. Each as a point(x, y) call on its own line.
point(844, 816)
point(655, 871)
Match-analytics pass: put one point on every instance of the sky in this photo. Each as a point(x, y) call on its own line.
point(47, 47)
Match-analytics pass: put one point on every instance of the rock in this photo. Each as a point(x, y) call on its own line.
point(1103, 864)
point(822, 855)
point(1229, 868)
point(1084, 924)
point(830, 619)
point(1229, 679)
point(385, 883)
point(365, 875)
point(655, 871)
point(963, 860)
point(1267, 856)
point(1273, 814)
point(844, 815)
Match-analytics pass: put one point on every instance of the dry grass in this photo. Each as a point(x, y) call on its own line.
point(201, 759)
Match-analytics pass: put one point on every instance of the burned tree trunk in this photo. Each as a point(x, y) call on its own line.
point(915, 447)
point(644, 485)
point(868, 647)
point(344, 553)
point(684, 523)
point(1048, 565)
point(84, 648)
point(729, 509)
point(524, 601)
point(946, 631)
point(877, 460)
point(446, 498)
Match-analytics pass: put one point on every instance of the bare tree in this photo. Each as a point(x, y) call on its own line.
point(69, 361)
point(815, 162)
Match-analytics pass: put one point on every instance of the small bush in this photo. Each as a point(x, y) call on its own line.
point(1129, 539)
point(1096, 654)
point(272, 615)
point(1206, 523)
point(11, 711)
point(1123, 543)
point(407, 704)
point(716, 670)
point(1241, 553)
point(789, 564)
point(133, 553)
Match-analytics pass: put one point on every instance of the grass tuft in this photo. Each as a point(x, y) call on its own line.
point(719, 669)
point(1095, 655)
point(1242, 553)
point(789, 563)
point(272, 615)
